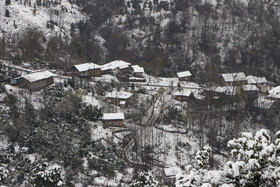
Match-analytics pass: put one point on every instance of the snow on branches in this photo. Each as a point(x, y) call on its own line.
point(256, 163)
point(144, 179)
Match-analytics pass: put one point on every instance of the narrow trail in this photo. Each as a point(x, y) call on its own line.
point(124, 152)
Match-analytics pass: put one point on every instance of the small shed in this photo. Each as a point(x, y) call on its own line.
point(138, 71)
point(184, 76)
point(233, 79)
point(113, 119)
point(116, 97)
point(37, 81)
point(183, 95)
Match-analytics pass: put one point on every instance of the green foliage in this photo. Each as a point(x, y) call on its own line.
point(92, 113)
point(102, 87)
point(103, 160)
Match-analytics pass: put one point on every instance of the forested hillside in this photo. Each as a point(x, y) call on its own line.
point(169, 35)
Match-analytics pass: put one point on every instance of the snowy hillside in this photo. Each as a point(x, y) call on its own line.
point(52, 19)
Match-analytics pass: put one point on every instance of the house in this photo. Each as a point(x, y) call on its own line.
point(115, 67)
point(274, 94)
point(87, 70)
point(261, 82)
point(116, 98)
point(183, 95)
point(217, 92)
point(233, 79)
point(37, 81)
point(251, 90)
point(266, 106)
point(138, 71)
point(113, 119)
point(184, 76)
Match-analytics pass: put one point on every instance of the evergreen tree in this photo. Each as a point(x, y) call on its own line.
point(7, 13)
point(8, 2)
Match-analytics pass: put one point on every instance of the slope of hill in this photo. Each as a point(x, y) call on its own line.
point(51, 18)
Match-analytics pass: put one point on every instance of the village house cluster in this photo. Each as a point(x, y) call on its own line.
point(124, 71)
point(259, 90)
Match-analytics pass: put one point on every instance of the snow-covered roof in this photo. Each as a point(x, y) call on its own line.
point(172, 171)
point(36, 76)
point(250, 87)
point(183, 92)
point(184, 74)
point(262, 102)
point(232, 77)
point(228, 90)
point(123, 67)
point(138, 69)
point(198, 96)
point(274, 92)
point(114, 64)
point(113, 116)
point(86, 67)
point(256, 80)
point(136, 78)
point(119, 95)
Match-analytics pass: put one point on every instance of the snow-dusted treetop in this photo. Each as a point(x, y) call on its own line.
point(256, 163)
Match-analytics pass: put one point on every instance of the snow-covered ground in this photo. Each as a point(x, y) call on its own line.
point(24, 17)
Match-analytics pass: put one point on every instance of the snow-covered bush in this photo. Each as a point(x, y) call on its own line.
point(197, 175)
point(144, 179)
point(256, 163)
point(49, 175)
point(256, 158)
point(4, 173)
